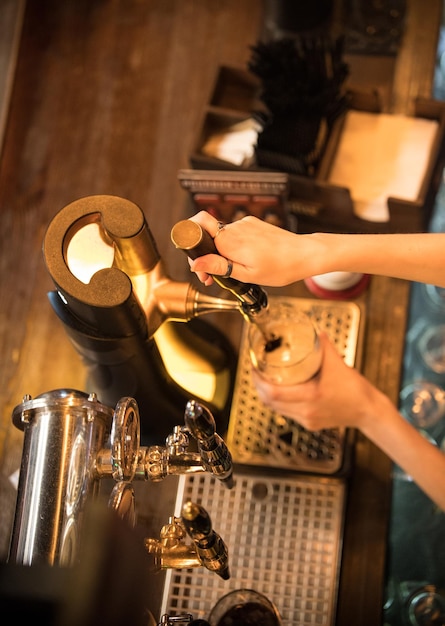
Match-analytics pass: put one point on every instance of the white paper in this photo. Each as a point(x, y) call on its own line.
point(382, 155)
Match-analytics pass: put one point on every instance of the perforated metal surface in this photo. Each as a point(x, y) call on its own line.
point(260, 436)
point(284, 540)
point(283, 527)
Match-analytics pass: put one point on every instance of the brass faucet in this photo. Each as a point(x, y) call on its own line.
point(101, 242)
point(206, 548)
point(125, 315)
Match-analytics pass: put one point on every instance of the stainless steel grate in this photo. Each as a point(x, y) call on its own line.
point(284, 539)
point(260, 436)
point(283, 527)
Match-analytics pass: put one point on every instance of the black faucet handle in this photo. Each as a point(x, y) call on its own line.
point(201, 423)
point(210, 547)
point(215, 455)
point(190, 237)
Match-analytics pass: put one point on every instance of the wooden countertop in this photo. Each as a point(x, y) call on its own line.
point(108, 99)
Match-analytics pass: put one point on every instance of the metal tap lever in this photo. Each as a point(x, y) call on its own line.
point(211, 549)
point(215, 454)
point(169, 620)
point(189, 236)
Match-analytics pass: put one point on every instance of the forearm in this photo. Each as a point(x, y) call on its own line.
point(272, 256)
point(418, 257)
point(339, 396)
point(421, 460)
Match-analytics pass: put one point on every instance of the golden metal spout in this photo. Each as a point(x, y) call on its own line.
point(207, 548)
point(171, 551)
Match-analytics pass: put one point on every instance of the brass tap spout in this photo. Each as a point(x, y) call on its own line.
point(188, 236)
point(208, 549)
point(171, 551)
point(253, 301)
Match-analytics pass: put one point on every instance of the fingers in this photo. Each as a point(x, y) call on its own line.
point(208, 222)
point(209, 264)
point(311, 404)
point(261, 252)
point(212, 264)
point(203, 276)
point(271, 393)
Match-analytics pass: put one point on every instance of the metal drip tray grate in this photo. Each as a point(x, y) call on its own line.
point(259, 436)
point(284, 539)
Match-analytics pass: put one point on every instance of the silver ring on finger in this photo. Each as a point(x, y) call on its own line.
point(229, 269)
point(219, 227)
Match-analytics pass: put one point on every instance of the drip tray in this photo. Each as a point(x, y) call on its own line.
point(283, 519)
point(283, 534)
point(259, 436)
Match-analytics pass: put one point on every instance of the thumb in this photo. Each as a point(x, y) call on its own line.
point(211, 264)
point(331, 355)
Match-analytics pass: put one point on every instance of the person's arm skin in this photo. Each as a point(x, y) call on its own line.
point(339, 396)
point(268, 255)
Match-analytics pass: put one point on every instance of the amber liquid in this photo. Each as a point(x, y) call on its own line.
point(249, 614)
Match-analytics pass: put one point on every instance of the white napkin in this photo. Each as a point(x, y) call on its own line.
point(381, 155)
point(235, 144)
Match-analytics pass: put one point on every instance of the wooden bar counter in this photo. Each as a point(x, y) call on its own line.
point(107, 99)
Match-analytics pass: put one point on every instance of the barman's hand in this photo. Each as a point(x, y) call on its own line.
point(335, 397)
point(261, 253)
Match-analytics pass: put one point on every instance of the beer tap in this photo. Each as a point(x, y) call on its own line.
point(210, 548)
point(213, 456)
point(253, 303)
point(72, 441)
point(213, 451)
point(207, 548)
point(125, 315)
point(190, 237)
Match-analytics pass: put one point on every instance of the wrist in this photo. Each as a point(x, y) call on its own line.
point(322, 254)
point(376, 416)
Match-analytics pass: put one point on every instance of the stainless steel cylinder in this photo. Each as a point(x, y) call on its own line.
point(63, 433)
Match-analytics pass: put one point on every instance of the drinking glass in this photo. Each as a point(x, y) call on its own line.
point(423, 403)
point(285, 349)
point(425, 606)
point(431, 346)
point(244, 607)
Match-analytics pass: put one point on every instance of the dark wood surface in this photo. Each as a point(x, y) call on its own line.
point(107, 99)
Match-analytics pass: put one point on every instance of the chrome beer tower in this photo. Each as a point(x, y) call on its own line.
point(72, 442)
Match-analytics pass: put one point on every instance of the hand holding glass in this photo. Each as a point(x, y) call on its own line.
point(286, 349)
